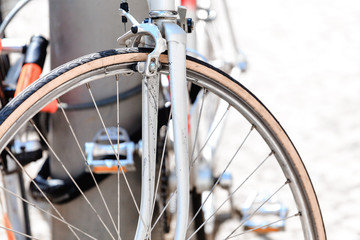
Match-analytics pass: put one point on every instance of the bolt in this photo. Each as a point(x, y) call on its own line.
point(124, 6)
point(152, 67)
point(134, 29)
point(140, 67)
point(190, 25)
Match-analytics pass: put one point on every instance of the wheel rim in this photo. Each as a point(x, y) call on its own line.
point(242, 107)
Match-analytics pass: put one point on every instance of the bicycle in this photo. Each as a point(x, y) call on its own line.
point(216, 40)
point(197, 173)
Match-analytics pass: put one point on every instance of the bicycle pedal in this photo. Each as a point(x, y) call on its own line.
point(263, 218)
point(204, 179)
point(26, 147)
point(242, 65)
point(226, 180)
point(104, 157)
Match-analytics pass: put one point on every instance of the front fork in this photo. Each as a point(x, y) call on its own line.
point(176, 43)
point(176, 39)
point(150, 95)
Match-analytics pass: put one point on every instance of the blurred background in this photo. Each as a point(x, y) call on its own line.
point(304, 64)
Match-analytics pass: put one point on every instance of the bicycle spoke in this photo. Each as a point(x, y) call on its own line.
point(117, 157)
point(87, 165)
point(37, 186)
point(164, 209)
point(208, 138)
point(20, 233)
point(161, 163)
point(222, 174)
point(267, 225)
point(162, 155)
point(198, 122)
point(71, 178)
point(44, 211)
point(257, 209)
point(118, 148)
point(231, 195)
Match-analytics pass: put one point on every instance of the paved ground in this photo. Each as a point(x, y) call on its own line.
point(304, 64)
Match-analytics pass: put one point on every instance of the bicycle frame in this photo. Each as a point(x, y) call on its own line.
point(165, 19)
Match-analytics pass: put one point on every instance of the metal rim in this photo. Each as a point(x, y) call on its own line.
point(199, 80)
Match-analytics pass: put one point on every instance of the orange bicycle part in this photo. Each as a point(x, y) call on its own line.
point(10, 234)
point(30, 72)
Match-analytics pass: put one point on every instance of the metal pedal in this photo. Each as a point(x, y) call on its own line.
point(101, 154)
point(270, 217)
point(26, 148)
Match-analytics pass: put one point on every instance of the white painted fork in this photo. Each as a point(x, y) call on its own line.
point(176, 44)
point(176, 39)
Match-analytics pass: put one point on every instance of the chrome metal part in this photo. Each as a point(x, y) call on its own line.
point(182, 15)
point(12, 46)
point(100, 153)
point(163, 14)
point(140, 67)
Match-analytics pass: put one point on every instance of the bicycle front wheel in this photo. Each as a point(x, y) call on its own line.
point(247, 179)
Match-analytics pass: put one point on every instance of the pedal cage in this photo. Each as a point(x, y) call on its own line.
point(26, 147)
point(268, 218)
point(101, 154)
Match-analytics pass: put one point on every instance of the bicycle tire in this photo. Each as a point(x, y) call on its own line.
point(82, 70)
